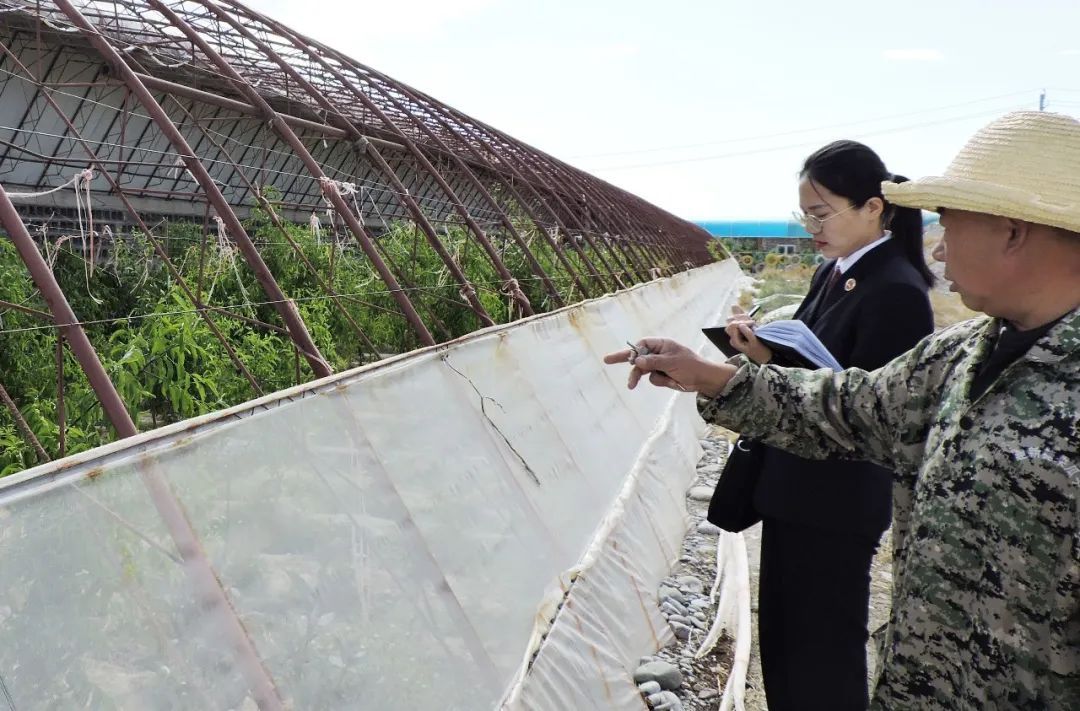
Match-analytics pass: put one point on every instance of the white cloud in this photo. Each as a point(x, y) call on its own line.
point(913, 55)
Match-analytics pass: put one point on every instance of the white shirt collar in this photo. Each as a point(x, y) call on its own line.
point(845, 263)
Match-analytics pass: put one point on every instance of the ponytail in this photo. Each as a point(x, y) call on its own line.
point(906, 225)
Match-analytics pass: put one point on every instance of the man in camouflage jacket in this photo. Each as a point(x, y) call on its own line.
point(980, 421)
point(987, 586)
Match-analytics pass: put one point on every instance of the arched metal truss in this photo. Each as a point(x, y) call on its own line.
point(119, 117)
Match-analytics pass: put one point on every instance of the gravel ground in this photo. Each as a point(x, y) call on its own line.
point(703, 679)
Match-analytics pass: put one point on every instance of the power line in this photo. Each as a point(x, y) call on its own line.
point(790, 146)
point(747, 139)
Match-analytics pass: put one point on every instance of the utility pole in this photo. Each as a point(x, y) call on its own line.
point(1042, 100)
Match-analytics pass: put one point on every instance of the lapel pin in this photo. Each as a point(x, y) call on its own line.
point(849, 285)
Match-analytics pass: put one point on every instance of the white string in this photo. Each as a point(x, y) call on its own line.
point(52, 256)
point(107, 238)
point(345, 189)
point(341, 189)
point(28, 196)
point(153, 57)
point(181, 165)
point(82, 205)
point(357, 205)
point(378, 211)
point(222, 235)
point(228, 252)
point(316, 228)
point(88, 176)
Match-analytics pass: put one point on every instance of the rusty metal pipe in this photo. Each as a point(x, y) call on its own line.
point(411, 148)
point(313, 167)
point(196, 564)
point(414, 96)
point(285, 307)
point(21, 424)
point(366, 146)
point(162, 253)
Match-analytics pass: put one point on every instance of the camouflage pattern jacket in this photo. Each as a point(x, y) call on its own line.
point(986, 598)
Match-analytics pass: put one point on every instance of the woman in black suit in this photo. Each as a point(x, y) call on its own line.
point(822, 519)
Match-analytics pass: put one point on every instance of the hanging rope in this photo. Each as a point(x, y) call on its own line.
point(331, 187)
point(180, 166)
point(513, 289)
point(368, 191)
point(338, 187)
point(107, 238)
point(83, 206)
point(50, 255)
point(90, 231)
point(129, 241)
point(228, 253)
point(316, 228)
point(27, 196)
point(224, 248)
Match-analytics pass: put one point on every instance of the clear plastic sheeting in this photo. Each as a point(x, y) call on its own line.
point(468, 526)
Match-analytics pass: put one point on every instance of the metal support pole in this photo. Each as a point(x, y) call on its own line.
point(24, 428)
point(197, 566)
point(285, 307)
point(373, 152)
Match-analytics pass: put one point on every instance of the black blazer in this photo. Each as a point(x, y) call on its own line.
point(884, 313)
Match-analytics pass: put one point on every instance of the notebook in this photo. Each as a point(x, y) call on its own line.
point(793, 344)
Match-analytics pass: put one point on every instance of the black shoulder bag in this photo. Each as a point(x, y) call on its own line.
point(732, 504)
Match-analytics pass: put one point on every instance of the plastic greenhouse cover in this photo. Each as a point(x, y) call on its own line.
point(469, 526)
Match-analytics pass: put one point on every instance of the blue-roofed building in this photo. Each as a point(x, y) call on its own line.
point(754, 229)
point(752, 240)
point(768, 229)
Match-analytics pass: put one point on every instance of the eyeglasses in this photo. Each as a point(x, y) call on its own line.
point(814, 224)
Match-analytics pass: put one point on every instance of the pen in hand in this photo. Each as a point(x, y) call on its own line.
point(641, 351)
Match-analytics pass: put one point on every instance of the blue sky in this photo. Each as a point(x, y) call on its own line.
point(708, 108)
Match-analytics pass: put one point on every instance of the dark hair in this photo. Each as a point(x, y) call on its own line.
point(853, 171)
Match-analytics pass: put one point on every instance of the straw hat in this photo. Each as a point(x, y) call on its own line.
point(1025, 165)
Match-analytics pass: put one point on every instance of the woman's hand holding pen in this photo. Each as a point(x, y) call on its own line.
point(740, 329)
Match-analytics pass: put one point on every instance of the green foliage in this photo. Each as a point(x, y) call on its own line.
point(720, 249)
point(164, 357)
